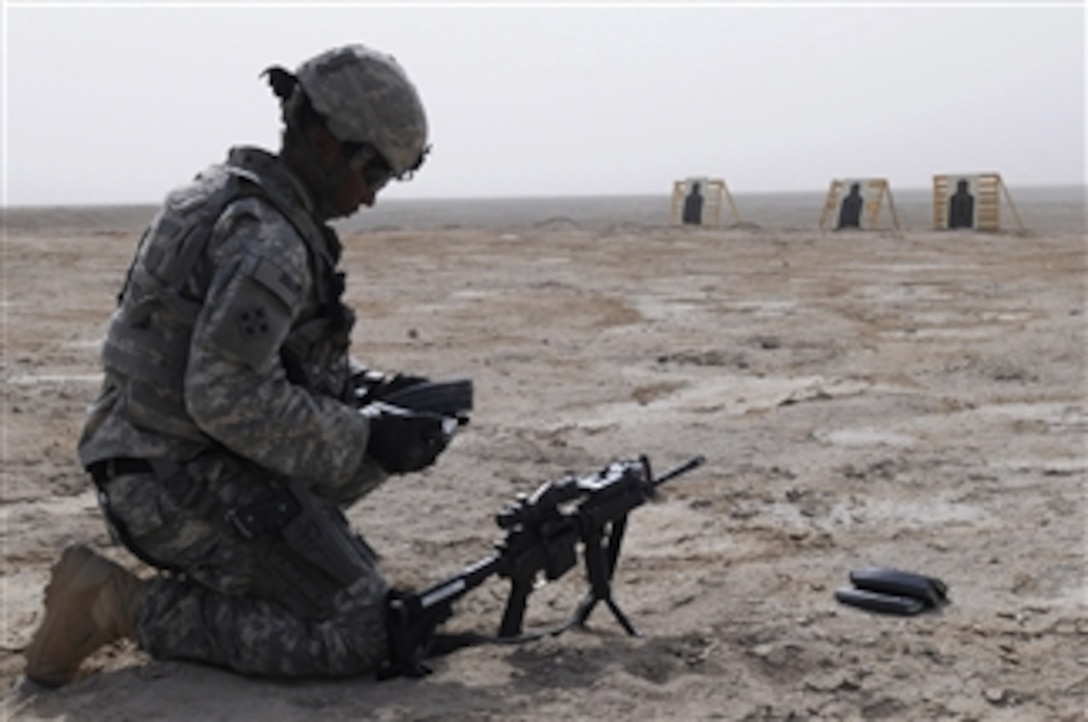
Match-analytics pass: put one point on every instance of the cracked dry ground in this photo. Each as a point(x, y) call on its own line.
point(913, 400)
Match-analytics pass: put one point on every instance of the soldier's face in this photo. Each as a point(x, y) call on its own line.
point(353, 175)
point(349, 191)
point(359, 176)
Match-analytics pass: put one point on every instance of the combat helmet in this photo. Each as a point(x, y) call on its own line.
point(366, 97)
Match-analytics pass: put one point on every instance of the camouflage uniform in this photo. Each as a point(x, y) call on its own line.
point(227, 380)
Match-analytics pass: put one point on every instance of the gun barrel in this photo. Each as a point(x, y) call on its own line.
point(692, 463)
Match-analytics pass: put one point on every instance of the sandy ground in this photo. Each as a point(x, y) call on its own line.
point(912, 400)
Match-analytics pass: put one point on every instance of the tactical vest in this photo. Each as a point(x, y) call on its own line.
point(149, 335)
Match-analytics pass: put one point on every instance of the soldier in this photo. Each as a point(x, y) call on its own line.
point(228, 436)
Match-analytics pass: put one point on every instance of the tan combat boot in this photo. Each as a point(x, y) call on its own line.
point(90, 602)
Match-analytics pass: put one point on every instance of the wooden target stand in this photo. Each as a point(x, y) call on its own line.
point(856, 203)
point(699, 201)
point(971, 202)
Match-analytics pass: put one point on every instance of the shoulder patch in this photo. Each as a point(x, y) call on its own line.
point(276, 279)
point(251, 319)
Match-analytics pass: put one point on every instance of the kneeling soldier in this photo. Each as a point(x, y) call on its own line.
point(228, 437)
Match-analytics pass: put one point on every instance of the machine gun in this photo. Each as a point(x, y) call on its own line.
point(543, 531)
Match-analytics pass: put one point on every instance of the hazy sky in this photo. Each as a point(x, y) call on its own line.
point(120, 102)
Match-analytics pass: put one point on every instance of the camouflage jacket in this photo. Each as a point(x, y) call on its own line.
point(230, 333)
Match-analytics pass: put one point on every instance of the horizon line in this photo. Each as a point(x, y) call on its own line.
point(546, 196)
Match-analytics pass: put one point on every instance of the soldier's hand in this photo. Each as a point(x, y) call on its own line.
point(403, 441)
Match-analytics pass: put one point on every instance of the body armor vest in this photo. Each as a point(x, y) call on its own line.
point(149, 335)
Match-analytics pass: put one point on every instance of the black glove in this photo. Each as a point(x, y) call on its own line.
point(403, 441)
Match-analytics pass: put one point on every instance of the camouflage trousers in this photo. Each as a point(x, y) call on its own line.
point(214, 602)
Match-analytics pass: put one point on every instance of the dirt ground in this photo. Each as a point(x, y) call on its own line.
point(911, 400)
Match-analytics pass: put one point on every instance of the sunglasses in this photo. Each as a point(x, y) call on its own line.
point(375, 171)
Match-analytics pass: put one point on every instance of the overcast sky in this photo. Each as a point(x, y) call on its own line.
point(118, 103)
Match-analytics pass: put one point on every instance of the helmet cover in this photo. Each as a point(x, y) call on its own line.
point(366, 97)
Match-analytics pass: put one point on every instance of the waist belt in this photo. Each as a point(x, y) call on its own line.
point(107, 470)
point(186, 491)
point(268, 513)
